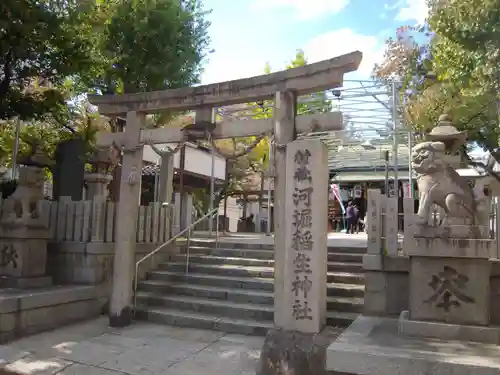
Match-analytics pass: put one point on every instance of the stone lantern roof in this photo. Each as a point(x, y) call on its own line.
point(447, 133)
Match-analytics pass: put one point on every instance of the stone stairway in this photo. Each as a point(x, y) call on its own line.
point(230, 288)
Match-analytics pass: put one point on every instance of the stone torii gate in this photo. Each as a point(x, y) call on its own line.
point(283, 87)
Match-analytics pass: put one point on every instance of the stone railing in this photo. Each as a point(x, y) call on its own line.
point(94, 221)
point(385, 226)
point(81, 243)
point(387, 268)
point(382, 224)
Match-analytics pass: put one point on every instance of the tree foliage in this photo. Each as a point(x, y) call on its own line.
point(53, 51)
point(449, 70)
point(466, 48)
point(41, 45)
point(153, 45)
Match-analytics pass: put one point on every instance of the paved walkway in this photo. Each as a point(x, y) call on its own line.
point(334, 239)
point(92, 348)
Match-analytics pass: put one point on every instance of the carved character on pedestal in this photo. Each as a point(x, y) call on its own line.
point(440, 184)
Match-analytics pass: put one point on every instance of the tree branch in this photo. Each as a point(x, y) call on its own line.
point(486, 167)
point(247, 149)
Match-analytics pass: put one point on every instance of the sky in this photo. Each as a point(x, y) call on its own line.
point(247, 34)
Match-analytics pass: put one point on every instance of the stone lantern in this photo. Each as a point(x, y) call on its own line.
point(97, 181)
point(447, 133)
point(23, 232)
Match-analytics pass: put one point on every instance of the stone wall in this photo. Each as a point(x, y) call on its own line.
point(92, 263)
point(82, 273)
point(40, 310)
point(387, 286)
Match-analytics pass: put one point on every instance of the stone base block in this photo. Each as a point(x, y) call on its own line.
point(25, 282)
point(25, 312)
point(450, 290)
point(451, 247)
point(294, 353)
point(374, 346)
point(20, 257)
point(443, 331)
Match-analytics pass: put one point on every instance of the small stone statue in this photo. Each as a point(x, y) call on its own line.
point(440, 184)
point(22, 205)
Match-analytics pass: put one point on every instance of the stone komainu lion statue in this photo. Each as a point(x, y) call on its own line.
point(22, 205)
point(439, 184)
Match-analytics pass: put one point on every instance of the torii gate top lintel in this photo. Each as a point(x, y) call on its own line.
point(323, 75)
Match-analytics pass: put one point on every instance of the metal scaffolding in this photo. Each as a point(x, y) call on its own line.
point(372, 125)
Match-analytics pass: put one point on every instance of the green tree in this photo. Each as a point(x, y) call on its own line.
point(466, 46)
point(41, 45)
point(153, 45)
point(431, 85)
point(427, 91)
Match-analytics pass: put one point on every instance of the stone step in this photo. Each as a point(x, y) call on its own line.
point(207, 291)
point(347, 250)
point(345, 257)
point(225, 308)
point(182, 318)
point(345, 304)
point(241, 245)
point(333, 256)
point(346, 290)
point(249, 271)
point(214, 260)
point(161, 280)
point(188, 306)
point(229, 252)
point(337, 303)
point(254, 246)
point(340, 319)
point(215, 280)
point(345, 267)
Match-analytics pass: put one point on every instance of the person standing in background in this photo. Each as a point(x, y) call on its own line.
point(351, 217)
point(357, 217)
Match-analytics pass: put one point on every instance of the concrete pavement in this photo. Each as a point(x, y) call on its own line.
point(93, 348)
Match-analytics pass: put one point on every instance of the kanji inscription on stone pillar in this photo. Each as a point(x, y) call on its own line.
point(306, 236)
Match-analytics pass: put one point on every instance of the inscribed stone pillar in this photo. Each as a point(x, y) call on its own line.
point(176, 224)
point(284, 133)
point(186, 215)
point(121, 310)
point(166, 188)
point(298, 344)
point(69, 169)
point(306, 236)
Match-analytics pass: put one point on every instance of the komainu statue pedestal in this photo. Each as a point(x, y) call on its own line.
point(23, 235)
point(446, 279)
point(450, 290)
point(23, 257)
